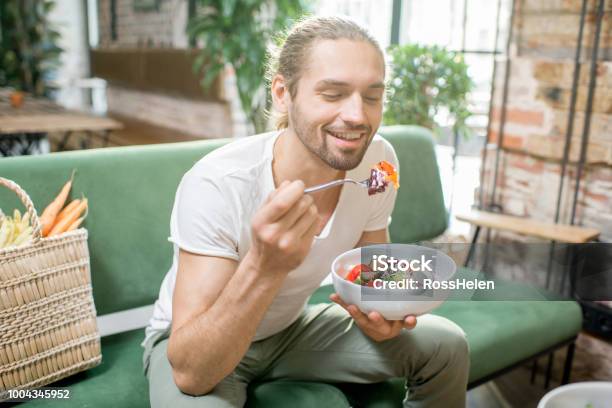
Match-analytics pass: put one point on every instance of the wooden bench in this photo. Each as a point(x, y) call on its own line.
point(555, 232)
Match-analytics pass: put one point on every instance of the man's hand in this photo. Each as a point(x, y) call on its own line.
point(283, 229)
point(373, 324)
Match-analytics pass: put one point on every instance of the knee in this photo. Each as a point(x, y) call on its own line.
point(453, 341)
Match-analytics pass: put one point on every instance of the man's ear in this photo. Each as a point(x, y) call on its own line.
point(280, 94)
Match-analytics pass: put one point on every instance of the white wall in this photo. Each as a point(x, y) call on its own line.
point(68, 17)
point(375, 15)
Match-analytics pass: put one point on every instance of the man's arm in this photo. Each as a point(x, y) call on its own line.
point(216, 307)
point(218, 303)
point(373, 237)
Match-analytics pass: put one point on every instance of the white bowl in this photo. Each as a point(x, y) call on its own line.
point(393, 304)
point(596, 393)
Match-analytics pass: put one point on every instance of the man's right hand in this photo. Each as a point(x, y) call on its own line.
point(283, 228)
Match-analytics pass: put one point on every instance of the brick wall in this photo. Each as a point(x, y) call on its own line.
point(165, 28)
point(162, 28)
point(541, 74)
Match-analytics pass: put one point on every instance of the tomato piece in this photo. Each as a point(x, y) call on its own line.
point(390, 172)
point(356, 272)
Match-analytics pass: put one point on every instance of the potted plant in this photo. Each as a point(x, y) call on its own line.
point(28, 46)
point(238, 33)
point(428, 84)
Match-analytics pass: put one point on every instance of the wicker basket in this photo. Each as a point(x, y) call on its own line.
point(48, 327)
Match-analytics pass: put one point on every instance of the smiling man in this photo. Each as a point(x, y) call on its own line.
point(250, 247)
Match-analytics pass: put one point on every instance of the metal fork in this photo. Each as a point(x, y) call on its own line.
point(364, 183)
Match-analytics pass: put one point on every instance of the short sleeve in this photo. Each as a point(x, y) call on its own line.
point(202, 220)
point(380, 216)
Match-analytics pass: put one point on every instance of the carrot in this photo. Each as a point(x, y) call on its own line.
point(47, 218)
point(75, 224)
point(78, 222)
point(70, 218)
point(67, 210)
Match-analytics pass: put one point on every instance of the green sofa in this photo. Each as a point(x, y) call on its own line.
point(131, 191)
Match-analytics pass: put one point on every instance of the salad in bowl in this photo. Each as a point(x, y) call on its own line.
point(395, 280)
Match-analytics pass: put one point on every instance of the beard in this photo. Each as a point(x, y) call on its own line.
point(308, 135)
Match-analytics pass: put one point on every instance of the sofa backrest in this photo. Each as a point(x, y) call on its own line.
point(131, 191)
point(419, 212)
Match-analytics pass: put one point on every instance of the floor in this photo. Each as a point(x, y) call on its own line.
point(137, 132)
point(486, 396)
point(511, 390)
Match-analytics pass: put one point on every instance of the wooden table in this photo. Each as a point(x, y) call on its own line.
point(24, 127)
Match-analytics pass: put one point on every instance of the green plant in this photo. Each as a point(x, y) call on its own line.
point(238, 32)
point(28, 45)
point(424, 82)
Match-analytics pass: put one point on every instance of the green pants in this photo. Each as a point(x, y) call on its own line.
point(325, 345)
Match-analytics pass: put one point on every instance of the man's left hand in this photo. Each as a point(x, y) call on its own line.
point(373, 324)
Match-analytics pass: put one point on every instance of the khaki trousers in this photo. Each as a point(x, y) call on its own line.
point(325, 345)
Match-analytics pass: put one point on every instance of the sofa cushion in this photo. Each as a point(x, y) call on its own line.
point(499, 333)
point(295, 394)
point(118, 381)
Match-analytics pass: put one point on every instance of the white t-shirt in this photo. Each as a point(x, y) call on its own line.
point(219, 195)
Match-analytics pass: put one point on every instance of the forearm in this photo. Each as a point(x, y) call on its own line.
point(206, 349)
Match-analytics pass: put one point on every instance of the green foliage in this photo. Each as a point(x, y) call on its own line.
point(28, 46)
point(238, 32)
point(425, 81)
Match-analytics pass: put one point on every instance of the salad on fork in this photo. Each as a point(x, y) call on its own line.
point(381, 175)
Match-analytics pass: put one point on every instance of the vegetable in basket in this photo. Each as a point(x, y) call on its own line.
point(47, 219)
point(15, 230)
point(57, 219)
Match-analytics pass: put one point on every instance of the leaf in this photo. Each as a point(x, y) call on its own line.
point(227, 7)
point(424, 81)
point(238, 32)
point(28, 44)
point(199, 62)
point(210, 75)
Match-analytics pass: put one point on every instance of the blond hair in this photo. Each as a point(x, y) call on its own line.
point(289, 59)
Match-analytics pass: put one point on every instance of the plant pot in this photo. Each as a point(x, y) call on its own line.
point(16, 99)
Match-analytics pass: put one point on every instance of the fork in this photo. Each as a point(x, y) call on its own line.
point(365, 183)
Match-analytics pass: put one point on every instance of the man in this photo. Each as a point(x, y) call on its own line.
point(251, 247)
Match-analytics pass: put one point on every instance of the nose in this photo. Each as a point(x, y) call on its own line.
point(352, 110)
